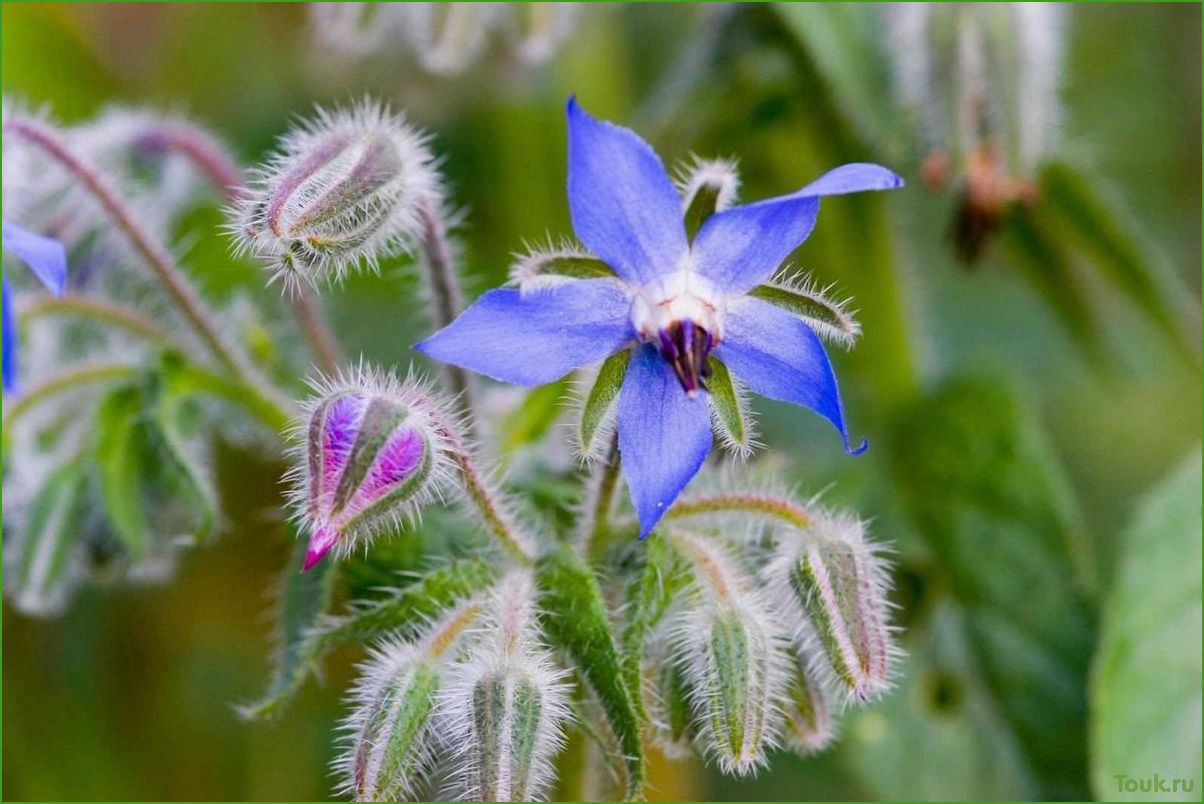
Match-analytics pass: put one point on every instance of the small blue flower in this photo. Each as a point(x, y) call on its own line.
point(47, 258)
point(677, 304)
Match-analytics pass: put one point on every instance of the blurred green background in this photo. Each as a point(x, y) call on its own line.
point(1012, 471)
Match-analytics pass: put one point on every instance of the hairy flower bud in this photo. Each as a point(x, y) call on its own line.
point(506, 707)
point(372, 457)
point(344, 190)
point(389, 744)
point(734, 662)
point(838, 581)
point(810, 727)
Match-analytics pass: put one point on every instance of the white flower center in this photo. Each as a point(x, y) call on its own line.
point(682, 315)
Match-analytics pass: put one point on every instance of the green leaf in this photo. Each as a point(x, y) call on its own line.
point(304, 601)
point(309, 633)
point(657, 582)
point(1145, 693)
point(601, 397)
point(150, 487)
point(980, 482)
point(45, 546)
point(1082, 213)
point(566, 263)
point(577, 621)
point(733, 420)
point(118, 449)
point(531, 420)
point(406, 611)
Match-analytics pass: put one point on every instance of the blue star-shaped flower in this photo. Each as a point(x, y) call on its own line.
point(676, 303)
point(47, 259)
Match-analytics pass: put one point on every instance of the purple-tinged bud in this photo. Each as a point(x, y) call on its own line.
point(838, 581)
point(343, 191)
point(372, 458)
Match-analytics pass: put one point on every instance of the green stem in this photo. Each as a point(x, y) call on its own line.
point(602, 497)
point(746, 502)
point(96, 309)
point(67, 381)
point(488, 500)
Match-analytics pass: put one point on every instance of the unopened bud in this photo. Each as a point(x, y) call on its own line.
point(505, 711)
point(344, 190)
point(373, 457)
point(840, 582)
point(670, 705)
point(735, 681)
point(389, 744)
point(810, 727)
point(734, 660)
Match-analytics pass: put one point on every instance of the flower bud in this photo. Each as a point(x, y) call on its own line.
point(389, 744)
point(344, 189)
point(373, 457)
point(734, 661)
point(810, 727)
point(505, 710)
point(839, 581)
point(670, 704)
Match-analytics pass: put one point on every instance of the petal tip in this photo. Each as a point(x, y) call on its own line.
point(859, 449)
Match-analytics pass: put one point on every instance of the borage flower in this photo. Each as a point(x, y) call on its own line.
point(677, 305)
point(47, 258)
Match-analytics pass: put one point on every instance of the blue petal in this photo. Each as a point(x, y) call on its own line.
point(9, 335)
point(624, 207)
point(45, 256)
point(779, 356)
point(853, 178)
point(539, 336)
point(741, 247)
point(664, 435)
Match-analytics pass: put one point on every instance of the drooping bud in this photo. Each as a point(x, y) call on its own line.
point(389, 743)
point(343, 191)
point(734, 662)
point(373, 456)
point(504, 712)
point(810, 727)
point(837, 581)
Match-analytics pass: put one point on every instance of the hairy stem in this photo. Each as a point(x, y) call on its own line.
point(751, 502)
point(603, 486)
point(155, 255)
point(95, 309)
point(65, 382)
point(439, 269)
point(317, 331)
point(488, 500)
point(205, 154)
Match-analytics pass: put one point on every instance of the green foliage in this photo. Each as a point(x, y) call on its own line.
point(982, 486)
point(601, 396)
point(1145, 690)
point(151, 488)
point(304, 600)
point(577, 621)
point(658, 579)
point(531, 420)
